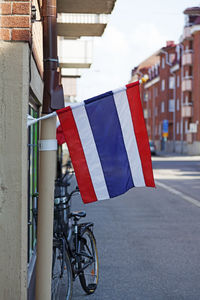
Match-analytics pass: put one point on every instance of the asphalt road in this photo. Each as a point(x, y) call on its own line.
point(148, 239)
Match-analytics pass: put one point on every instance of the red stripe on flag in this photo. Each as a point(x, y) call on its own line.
point(77, 154)
point(60, 136)
point(135, 105)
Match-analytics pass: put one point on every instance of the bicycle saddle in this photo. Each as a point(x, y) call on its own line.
point(80, 214)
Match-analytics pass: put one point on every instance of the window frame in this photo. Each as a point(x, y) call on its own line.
point(33, 164)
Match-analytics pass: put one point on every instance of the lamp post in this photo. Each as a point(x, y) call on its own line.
point(182, 48)
point(174, 97)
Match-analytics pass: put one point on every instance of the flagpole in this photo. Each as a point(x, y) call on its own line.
point(53, 99)
point(31, 120)
point(47, 169)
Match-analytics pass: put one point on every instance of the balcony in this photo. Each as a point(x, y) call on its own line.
point(195, 28)
point(75, 53)
point(145, 111)
point(187, 110)
point(187, 84)
point(186, 33)
point(88, 7)
point(187, 58)
point(70, 73)
point(74, 26)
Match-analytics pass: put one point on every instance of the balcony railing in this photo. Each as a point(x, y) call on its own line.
point(187, 110)
point(83, 18)
point(186, 33)
point(187, 84)
point(76, 25)
point(187, 58)
point(77, 53)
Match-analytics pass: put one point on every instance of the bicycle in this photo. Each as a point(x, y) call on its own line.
point(74, 247)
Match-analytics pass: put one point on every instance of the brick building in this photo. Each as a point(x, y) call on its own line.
point(171, 96)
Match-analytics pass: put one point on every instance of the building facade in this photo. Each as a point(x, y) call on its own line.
point(171, 96)
point(21, 93)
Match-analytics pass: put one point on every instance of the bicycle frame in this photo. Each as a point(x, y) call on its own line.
point(75, 254)
point(72, 232)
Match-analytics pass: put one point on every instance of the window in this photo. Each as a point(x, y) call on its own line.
point(155, 91)
point(186, 126)
point(181, 127)
point(163, 62)
point(156, 70)
point(178, 52)
point(178, 81)
point(156, 111)
point(146, 96)
point(177, 105)
point(171, 105)
point(149, 113)
point(177, 128)
point(32, 181)
point(171, 57)
point(190, 71)
point(145, 113)
point(162, 107)
point(150, 74)
point(160, 129)
point(163, 84)
point(171, 82)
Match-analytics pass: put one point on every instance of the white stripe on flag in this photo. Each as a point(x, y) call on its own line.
point(122, 105)
point(90, 151)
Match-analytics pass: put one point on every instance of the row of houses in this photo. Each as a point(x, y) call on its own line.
point(171, 96)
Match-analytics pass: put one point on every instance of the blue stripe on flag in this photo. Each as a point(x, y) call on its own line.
point(105, 125)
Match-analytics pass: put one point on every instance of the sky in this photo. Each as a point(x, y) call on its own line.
point(136, 29)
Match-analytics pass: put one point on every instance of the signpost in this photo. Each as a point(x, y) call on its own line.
point(165, 129)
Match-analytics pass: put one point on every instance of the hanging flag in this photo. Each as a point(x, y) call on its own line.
point(59, 135)
point(108, 143)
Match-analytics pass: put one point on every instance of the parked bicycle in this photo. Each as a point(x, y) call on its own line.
point(74, 247)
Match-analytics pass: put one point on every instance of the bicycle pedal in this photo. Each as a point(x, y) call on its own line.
point(92, 286)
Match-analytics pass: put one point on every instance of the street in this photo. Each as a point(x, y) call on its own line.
point(148, 239)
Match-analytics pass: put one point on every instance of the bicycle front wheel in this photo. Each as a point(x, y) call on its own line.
point(61, 283)
point(89, 262)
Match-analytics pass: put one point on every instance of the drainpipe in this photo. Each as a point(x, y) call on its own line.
point(52, 99)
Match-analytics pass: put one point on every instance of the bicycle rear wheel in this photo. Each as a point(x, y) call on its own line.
point(89, 262)
point(61, 283)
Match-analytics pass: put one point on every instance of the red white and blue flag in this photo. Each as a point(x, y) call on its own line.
point(108, 143)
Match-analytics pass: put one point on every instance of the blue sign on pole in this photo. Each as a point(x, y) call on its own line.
point(165, 126)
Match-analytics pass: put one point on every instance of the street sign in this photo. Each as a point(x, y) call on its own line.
point(165, 126)
point(165, 134)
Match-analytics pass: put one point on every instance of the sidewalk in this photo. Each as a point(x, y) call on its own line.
point(173, 156)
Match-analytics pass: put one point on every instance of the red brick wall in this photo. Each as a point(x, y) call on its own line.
point(15, 20)
point(154, 121)
point(16, 25)
point(196, 82)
